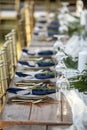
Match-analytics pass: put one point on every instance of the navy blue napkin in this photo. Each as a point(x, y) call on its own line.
point(14, 90)
point(51, 34)
point(42, 21)
point(20, 74)
point(43, 91)
point(54, 23)
point(44, 76)
point(47, 52)
point(54, 28)
point(36, 91)
point(40, 27)
point(27, 51)
point(26, 63)
point(45, 64)
point(36, 33)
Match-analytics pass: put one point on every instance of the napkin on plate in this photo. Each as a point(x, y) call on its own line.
point(45, 63)
point(42, 21)
point(26, 63)
point(44, 76)
point(35, 91)
point(43, 90)
point(27, 51)
point(14, 90)
point(20, 74)
point(47, 52)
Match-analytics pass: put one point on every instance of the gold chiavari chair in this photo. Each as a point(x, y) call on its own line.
point(10, 61)
point(28, 20)
point(1, 87)
point(11, 37)
point(4, 82)
point(1, 75)
point(4, 76)
point(26, 23)
point(21, 29)
point(9, 11)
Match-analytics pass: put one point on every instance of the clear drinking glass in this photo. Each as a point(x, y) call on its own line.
point(62, 85)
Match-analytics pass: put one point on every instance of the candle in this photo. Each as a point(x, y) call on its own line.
point(82, 61)
point(83, 17)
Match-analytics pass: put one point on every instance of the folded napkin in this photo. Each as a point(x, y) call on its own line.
point(40, 27)
point(47, 52)
point(20, 74)
point(26, 63)
point(45, 63)
point(44, 76)
point(54, 28)
point(35, 91)
point(52, 33)
point(54, 23)
point(27, 51)
point(36, 33)
point(14, 90)
point(42, 21)
point(42, 91)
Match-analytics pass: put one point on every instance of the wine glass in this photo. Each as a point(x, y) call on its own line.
point(62, 85)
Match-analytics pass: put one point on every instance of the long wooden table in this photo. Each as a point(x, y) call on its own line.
point(50, 114)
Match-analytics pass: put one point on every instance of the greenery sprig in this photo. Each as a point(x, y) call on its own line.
point(79, 82)
point(70, 63)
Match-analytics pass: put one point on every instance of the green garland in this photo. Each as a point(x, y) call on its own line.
point(70, 63)
point(79, 82)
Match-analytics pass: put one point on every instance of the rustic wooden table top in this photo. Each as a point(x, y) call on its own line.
point(43, 115)
point(49, 112)
point(42, 43)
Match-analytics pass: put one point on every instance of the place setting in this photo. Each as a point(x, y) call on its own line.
point(37, 53)
point(37, 76)
point(32, 93)
point(41, 63)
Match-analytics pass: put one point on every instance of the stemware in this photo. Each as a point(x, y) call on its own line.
point(62, 84)
point(58, 44)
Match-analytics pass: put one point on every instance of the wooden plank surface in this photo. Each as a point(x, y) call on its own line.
point(40, 127)
point(55, 112)
point(48, 113)
point(15, 112)
point(58, 127)
point(38, 43)
point(26, 127)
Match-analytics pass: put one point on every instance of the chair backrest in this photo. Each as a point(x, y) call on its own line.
point(29, 19)
point(26, 23)
point(9, 4)
point(4, 76)
point(3, 82)
point(21, 29)
point(8, 61)
point(10, 50)
point(11, 43)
